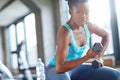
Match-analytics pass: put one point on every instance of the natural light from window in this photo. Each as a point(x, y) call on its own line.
point(100, 15)
point(31, 41)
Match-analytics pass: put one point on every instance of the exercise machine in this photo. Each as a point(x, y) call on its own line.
point(23, 61)
point(5, 72)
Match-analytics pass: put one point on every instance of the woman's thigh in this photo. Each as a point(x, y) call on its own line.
point(52, 75)
point(87, 72)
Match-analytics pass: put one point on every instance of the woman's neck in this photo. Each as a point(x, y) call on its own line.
point(74, 26)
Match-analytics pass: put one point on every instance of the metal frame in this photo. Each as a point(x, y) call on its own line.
point(115, 32)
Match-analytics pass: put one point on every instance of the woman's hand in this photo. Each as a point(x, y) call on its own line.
point(91, 53)
point(101, 61)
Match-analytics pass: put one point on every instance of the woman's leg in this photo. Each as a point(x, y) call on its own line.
point(86, 72)
point(52, 75)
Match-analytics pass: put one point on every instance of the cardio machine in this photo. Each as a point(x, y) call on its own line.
point(5, 72)
point(23, 61)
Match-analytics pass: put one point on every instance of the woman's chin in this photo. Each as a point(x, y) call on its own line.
point(82, 24)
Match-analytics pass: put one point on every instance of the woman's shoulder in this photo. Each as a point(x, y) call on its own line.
point(62, 30)
point(91, 27)
point(63, 33)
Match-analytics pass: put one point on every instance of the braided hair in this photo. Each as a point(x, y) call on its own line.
point(73, 2)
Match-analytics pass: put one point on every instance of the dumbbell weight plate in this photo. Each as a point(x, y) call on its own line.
point(97, 47)
point(96, 64)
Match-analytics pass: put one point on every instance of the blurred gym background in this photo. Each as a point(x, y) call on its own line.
point(30, 26)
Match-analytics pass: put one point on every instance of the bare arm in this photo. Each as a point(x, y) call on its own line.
point(63, 41)
point(94, 29)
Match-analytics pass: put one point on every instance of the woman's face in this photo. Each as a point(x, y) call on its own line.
point(79, 13)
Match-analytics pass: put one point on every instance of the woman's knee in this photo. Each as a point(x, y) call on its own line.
point(110, 73)
point(52, 75)
point(115, 74)
point(56, 76)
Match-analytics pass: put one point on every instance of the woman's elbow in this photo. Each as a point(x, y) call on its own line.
point(58, 70)
point(106, 36)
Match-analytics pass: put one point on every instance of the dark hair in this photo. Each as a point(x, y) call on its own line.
point(73, 2)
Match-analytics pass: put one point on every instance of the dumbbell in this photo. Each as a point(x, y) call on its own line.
point(97, 47)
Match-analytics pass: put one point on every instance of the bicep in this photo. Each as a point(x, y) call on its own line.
point(62, 50)
point(61, 54)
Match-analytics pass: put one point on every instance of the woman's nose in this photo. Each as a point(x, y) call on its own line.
point(85, 16)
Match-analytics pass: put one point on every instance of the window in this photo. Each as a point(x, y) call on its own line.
point(25, 31)
point(21, 38)
point(31, 41)
point(12, 34)
point(20, 32)
point(100, 15)
point(13, 47)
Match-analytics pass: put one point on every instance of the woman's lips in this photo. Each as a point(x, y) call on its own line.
point(83, 22)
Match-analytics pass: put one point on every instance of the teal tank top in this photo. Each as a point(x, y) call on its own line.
point(75, 52)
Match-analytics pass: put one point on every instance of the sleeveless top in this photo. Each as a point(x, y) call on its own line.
point(74, 52)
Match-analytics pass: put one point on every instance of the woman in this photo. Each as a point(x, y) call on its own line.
point(72, 41)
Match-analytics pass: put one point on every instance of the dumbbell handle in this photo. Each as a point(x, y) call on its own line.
point(100, 61)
